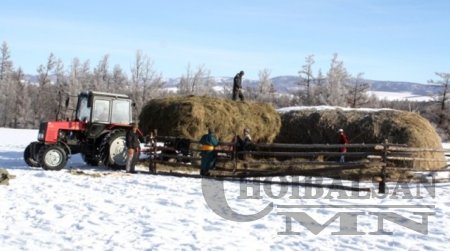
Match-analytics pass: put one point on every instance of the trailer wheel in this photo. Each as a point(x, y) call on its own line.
point(113, 150)
point(30, 154)
point(52, 157)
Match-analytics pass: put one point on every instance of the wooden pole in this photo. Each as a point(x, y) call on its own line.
point(382, 184)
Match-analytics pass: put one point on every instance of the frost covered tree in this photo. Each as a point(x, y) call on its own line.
point(337, 79)
point(319, 97)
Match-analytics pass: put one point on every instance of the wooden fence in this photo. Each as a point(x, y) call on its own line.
point(319, 158)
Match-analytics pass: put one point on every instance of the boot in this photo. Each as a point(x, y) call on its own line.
point(128, 166)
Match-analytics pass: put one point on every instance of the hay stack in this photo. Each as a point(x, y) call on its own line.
point(191, 117)
point(310, 125)
point(5, 177)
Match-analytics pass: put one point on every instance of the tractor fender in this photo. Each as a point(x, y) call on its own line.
point(66, 147)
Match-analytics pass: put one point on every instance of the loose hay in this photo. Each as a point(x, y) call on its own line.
point(191, 117)
point(5, 177)
point(308, 126)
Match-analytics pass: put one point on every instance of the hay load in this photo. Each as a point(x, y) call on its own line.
point(191, 117)
point(319, 125)
point(5, 177)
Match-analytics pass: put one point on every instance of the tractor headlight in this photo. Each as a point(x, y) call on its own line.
point(40, 136)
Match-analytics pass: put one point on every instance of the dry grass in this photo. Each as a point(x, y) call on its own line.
point(5, 177)
point(191, 117)
point(320, 127)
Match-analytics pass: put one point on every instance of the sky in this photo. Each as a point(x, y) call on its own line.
point(402, 40)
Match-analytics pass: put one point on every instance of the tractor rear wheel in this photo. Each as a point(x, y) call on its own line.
point(52, 157)
point(113, 150)
point(30, 154)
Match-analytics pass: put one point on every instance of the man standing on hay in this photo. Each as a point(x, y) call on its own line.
point(343, 139)
point(208, 141)
point(237, 86)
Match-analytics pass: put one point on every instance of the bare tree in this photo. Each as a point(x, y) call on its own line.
point(44, 99)
point(21, 102)
point(101, 75)
point(62, 90)
point(146, 82)
point(196, 83)
point(119, 80)
point(443, 97)
point(6, 66)
point(306, 80)
point(6, 69)
point(357, 91)
point(266, 90)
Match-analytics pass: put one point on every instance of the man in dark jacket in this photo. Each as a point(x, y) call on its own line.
point(237, 86)
point(244, 143)
point(209, 142)
point(133, 146)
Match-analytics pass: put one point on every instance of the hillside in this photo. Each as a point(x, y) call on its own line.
point(287, 84)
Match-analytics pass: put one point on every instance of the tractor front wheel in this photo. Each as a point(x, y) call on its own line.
point(52, 157)
point(30, 154)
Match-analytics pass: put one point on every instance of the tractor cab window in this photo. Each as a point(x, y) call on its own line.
point(121, 112)
point(84, 112)
point(101, 111)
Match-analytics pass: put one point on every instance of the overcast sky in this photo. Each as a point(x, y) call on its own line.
point(401, 40)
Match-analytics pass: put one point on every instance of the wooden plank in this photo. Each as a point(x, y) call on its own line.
point(305, 154)
point(308, 146)
point(304, 171)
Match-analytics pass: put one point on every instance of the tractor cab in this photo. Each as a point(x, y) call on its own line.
point(103, 108)
point(102, 111)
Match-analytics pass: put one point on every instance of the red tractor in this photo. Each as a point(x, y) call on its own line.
point(97, 132)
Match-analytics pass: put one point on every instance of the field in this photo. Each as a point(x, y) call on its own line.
point(92, 208)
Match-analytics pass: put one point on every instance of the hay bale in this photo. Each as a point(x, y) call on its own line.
point(191, 117)
point(5, 177)
point(320, 125)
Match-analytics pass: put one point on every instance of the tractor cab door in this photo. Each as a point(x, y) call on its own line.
point(101, 112)
point(101, 117)
point(121, 111)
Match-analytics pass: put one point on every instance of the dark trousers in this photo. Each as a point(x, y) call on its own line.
point(132, 159)
point(236, 93)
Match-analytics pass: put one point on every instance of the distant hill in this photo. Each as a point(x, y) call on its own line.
point(288, 84)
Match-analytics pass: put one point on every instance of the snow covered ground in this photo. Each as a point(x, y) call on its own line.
point(399, 96)
point(44, 210)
